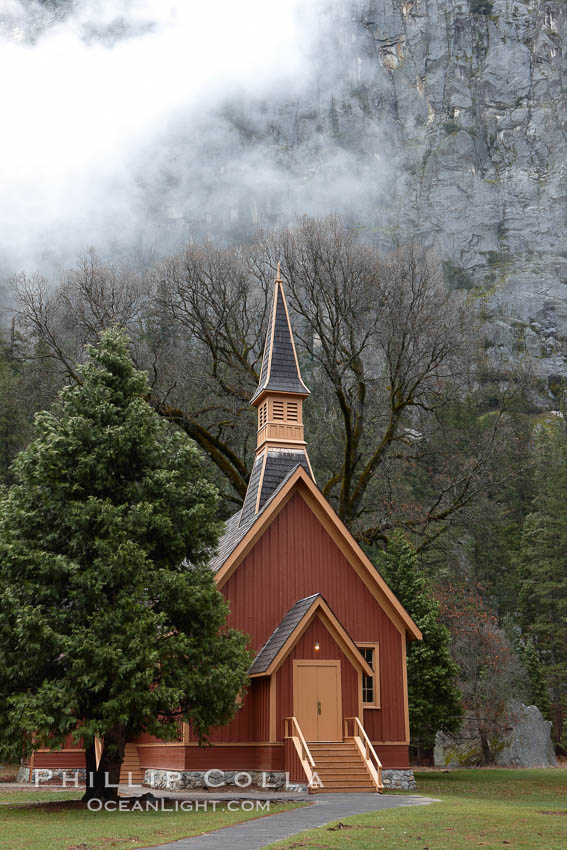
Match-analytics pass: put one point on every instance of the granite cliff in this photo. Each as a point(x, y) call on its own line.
point(444, 119)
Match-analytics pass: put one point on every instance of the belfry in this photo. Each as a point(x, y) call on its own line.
point(279, 400)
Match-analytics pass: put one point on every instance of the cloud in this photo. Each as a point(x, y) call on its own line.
point(149, 120)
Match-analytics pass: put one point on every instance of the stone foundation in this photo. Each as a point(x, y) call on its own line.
point(45, 776)
point(223, 780)
point(398, 780)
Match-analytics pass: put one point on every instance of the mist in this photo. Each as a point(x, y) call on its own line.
point(134, 126)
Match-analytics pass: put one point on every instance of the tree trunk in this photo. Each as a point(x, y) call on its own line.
point(90, 764)
point(102, 782)
point(556, 714)
point(485, 744)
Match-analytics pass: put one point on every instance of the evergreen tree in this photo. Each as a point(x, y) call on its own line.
point(110, 622)
point(434, 698)
point(543, 563)
point(538, 693)
point(15, 414)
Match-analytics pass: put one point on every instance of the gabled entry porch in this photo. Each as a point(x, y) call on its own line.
point(316, 672)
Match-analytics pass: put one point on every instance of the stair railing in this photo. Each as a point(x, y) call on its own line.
point(294, 733)
point(366, 750)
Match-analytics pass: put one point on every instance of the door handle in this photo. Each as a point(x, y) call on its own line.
point(318, 708)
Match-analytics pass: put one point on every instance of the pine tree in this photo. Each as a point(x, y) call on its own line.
point(543, 563)
point(538, 693)
point(15, 415)
point(110, 622)
point(434, 698)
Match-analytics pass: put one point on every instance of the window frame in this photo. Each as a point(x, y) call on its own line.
point(376, 677)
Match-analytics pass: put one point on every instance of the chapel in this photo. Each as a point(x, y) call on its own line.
point(327, 705)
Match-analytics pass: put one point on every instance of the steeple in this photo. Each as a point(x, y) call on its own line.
point(280, 369)
point(279, 402)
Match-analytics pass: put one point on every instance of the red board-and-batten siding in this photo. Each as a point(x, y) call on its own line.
point(294, 558)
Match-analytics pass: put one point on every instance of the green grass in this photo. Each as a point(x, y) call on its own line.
point(517, 809)
point(64, 823)
point(33, 796)
point(8, 772)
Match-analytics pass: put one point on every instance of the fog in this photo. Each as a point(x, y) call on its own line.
point(134, 125)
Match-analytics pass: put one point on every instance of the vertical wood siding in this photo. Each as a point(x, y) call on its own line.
point(292, 764)
point(294, 558)
point(252, 720)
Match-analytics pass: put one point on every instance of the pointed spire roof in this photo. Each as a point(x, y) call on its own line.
point(280, 367)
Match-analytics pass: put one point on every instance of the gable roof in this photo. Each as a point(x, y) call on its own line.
point(280, 368)
point(280, 634)
point(237, 526)
point(238, 541)
point(297, 619)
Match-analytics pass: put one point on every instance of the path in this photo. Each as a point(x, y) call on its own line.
point(264, 830)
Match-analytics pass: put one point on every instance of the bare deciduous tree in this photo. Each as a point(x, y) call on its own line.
point(383, 347)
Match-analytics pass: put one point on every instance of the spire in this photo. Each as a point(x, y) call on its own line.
point(279, 399)
point(280, 368)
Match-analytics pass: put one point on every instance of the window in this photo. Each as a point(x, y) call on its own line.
point(263, 414)
point(278, 409)
point(370, 684)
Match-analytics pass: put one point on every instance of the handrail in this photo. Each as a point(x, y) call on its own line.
point(306, 749)
point(300, 744)
point(98, 750)
point(367, 751)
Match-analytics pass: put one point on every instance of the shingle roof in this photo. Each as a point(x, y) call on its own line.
point(249, 507)
point(237, 526)
point(280, 372)
point(279, 636)
point(279, 463)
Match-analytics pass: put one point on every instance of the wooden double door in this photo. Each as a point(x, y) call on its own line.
point(317, 699)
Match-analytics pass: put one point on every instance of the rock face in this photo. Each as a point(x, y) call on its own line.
point(441, 119)
point(525, 743)
point(528, 743)
point(477, 105)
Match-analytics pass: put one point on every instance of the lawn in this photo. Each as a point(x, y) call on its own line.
point(33, 796)
point(64, 824)
point(518, 809)
point(8, 772)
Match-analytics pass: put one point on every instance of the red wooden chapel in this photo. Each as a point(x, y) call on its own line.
point(328, 697)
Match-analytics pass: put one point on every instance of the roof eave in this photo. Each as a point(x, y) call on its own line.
point(262, 392)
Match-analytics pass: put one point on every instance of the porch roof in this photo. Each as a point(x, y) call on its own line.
point(290, 629)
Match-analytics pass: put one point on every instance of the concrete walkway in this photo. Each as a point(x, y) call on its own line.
point(265, 830)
